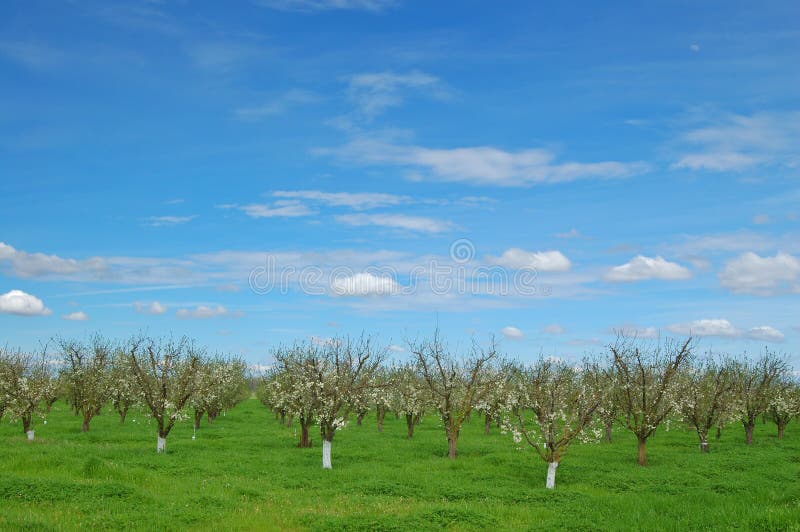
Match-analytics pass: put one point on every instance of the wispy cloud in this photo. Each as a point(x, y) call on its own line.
point(725, 329)
point(374, 93)
point(354, 200)
point(479, 165)
point(737, 142)
point(279, 209)
point(160, 221)
point(545, 261)
point(397, 221)
point(277, 105)
point(76, 316)
point(202, 312)
point(641, 268)
point(313, 6)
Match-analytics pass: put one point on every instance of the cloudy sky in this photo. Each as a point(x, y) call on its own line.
point(252, 172)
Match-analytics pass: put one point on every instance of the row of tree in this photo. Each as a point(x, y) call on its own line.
point(546, 405)
point(163, 377)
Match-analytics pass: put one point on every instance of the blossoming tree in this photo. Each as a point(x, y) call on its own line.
point(165, 373)
point(647, 389)
point(26, 381)
point(753, 380)
point(455, 386)
point(409, 395)
point(784, 404)
point(708, 398)
point(552, 405)
point(87, 375)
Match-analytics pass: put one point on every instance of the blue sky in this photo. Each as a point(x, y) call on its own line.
point(634, 166)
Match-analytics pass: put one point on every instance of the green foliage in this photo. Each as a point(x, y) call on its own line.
point(245, 472)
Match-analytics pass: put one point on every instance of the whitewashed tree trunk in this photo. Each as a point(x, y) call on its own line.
point(161, 444)
point(30, 435)
point(326, 455)
point(551, 475)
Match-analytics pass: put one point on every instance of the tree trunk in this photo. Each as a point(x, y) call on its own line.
point(198, 417)
point(704, 445)
point(381, 415)
point(642, 451)
point(85, 425)
point(719, 432)
point(452, 443)
point(289, 422)
point(551, 475)
point(326, 455)
point(609, 431)
point(410, 425)
point(487, 423)
point(29, 434)
point(748, 433)
point(359, 419)
point(161, 444)
point(304, 441)
point(781, 428)
point(283, 417)
point(26, 423)
point(122, 414)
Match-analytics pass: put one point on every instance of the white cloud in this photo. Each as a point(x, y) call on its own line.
point(725, 329)
point(280, 209)
point(364, 284)
point(153, 308)
point(22, 304)
point(310, 6)
point(765, 333)
point(201, 312)
point(277, 105)
point(397, 221)
point(736, 142)
point(481, 165)
point(642, 268)
point(373, 93)
point(354, 200)
point(752, 274)
point(634, 331)
point(512, 333)
point(707, 327)
point(545, 261)
point(158, 221)
point(396, 349)
point(694, 47)
point(25, 264)
point(554, 328)
point(76, 316)
point(761, 219)
point(572, 233)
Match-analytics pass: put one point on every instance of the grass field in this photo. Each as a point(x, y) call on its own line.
point(244, 472)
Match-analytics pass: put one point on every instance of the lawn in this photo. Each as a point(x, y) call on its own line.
point(244, 472)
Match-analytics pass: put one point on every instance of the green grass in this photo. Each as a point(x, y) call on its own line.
point(244, 472)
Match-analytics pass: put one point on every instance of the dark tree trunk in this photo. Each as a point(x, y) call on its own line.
point(487, 423)
point(198, 417)
point(410, 424)
point(719, 432)
point(85, 426)
point(359, 419)
point(123, 412)
point(381, 415)
point(304, 426)
point(748, 433)
point(781, 427)
point(703, 444)
point(609, 431)
point(452, 444)
point(642, 451)
point(283, 417)
point(26, 422)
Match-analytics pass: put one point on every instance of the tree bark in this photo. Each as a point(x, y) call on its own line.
point(704, 446)
point(198, 417)
point(359, 419)
point(642, 451)
point(487, 423)
point(122, 414)
point(85, 425)
point(326, 455)
point(781, 428)
point(29, 434)
point(719, 432)
point(452, 444)
point(304, 426)
point(161, 444)
point(551, 475)
point(748, 433)
point(26, 423)
point(410, 424)
point(381, 415)
point(609, 432)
